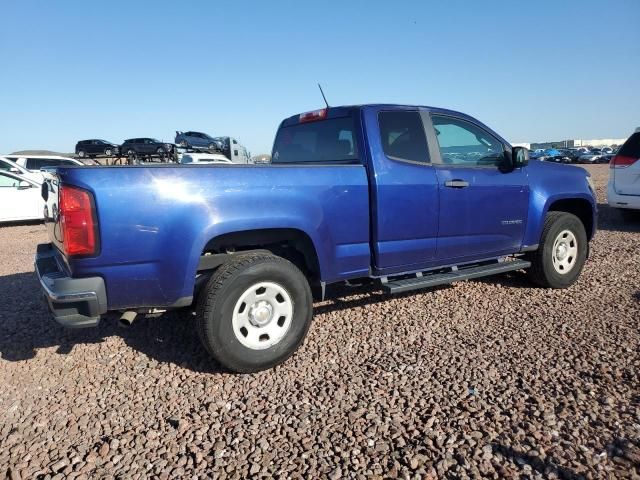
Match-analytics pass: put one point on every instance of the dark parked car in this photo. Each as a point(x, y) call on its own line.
point(135, 147)
point(197, 139)
point(95, 147)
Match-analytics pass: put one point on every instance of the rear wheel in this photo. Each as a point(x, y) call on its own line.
point(132, 157)
point(562, 251)
point(254, 312)
point(81, 153)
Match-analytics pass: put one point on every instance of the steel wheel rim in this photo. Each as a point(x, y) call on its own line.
point(262, 315)
point(564, 254)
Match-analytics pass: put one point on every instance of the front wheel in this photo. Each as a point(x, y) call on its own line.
point(108, 152)
point(254, 312)
point(562, 251)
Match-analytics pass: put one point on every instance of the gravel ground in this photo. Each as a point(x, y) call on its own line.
point(489, 378)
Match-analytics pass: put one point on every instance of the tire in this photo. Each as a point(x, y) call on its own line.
point(107, 152)
point(132, 158)
point(564, 233)
point(184, 144)
point(222, 312)
point(161, 153)
point(212, 146)
point(81, 153)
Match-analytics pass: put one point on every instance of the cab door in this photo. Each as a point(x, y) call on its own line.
point(483, 204)
point(403, 190)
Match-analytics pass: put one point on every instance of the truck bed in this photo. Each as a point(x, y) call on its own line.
point(155, 221)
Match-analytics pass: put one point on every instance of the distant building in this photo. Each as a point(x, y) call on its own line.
point(578, 142)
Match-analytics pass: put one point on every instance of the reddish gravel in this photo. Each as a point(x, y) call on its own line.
point(489, 378)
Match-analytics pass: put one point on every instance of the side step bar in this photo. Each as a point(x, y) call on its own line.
point(455, 275)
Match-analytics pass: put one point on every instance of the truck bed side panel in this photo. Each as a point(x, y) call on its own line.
point(155, 221)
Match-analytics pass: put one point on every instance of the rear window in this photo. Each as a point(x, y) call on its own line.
point(324, 141)
point(38, 163)
point(631, 147)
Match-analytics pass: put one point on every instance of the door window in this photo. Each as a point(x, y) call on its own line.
point(403, 137)
point(465, 144)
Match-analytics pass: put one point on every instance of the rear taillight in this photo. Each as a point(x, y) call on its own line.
point(77, 221)
point(622, 161)
point(313, 116)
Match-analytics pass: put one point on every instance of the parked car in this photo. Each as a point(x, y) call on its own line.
point(197, 139)
point(202, 158)
point(34, 163)
point(20, 198)
point(592, 156)
point(623, 189)
point(555, 155)
point(146, 147)
point(536, 154)
point(10, 166)
point(571, 153)
point(95, 147)
point(409, 197)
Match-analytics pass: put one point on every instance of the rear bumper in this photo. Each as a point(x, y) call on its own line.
point(74, 302)
point(616, 200)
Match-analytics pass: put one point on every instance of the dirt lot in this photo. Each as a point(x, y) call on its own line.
point(488, 378)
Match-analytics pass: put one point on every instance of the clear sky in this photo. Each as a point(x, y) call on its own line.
point(532, 70)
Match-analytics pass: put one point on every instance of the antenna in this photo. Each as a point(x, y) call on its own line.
point(324, 98)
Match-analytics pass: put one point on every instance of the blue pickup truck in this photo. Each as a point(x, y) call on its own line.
point(408, 196)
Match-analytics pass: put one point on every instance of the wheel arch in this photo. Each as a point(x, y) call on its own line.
point(580, 204)
point(580, 207)
point(293, 244)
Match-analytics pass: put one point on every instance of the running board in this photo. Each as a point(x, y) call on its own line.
point(455, 275)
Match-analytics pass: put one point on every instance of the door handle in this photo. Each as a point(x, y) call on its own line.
point(456, 184)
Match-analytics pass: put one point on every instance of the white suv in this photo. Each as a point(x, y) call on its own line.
point(34, 163)
point(624, 176)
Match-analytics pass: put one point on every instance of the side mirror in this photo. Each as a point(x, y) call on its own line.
point(14, 170)
point(23, 185)
point(520, 157)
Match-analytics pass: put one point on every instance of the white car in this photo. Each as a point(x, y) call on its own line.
point(10, 166)
point(20, 198)
point(34, 163)
point(203, 158)
point(623, 190)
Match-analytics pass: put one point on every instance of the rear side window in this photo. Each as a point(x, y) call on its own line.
point(323, 141)
point(631, 147)
point(38, 163)
point(403, 137)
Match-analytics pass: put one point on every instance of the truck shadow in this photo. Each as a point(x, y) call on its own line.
point(26, 327)
point(611, 219)
point(546, 467)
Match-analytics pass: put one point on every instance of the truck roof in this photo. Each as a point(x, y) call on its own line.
point(343, 110)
